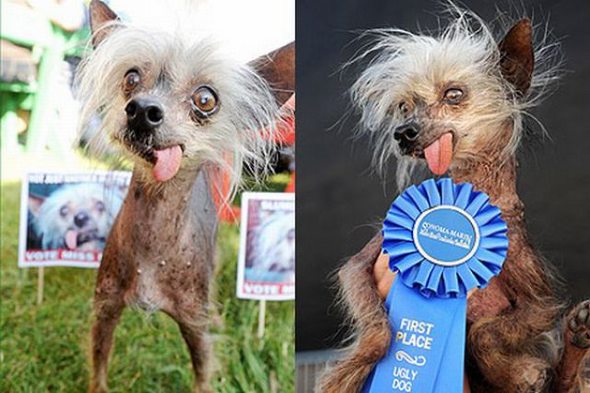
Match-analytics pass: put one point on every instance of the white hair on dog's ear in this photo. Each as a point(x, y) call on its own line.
point(239, 135)
point(399, 62)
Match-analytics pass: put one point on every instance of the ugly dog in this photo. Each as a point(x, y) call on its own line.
point(75, 216)
point(180, 110)
point(456, 101)
point(274, 243)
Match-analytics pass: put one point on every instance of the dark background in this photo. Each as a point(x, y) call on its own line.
point(339, 200)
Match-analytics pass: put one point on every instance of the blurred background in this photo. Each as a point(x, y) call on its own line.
point(44, 346)
point(339, 200)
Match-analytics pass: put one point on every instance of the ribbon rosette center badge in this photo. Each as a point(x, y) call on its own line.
point(443, 240)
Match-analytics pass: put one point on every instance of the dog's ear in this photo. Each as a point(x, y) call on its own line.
point(35, 202)
point(517, 56)
point(278, 68)
point(100, 14)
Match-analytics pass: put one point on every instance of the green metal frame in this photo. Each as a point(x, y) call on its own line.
point(51, 44)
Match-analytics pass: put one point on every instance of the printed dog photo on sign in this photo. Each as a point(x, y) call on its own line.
point(66, 218)
point(266, 263)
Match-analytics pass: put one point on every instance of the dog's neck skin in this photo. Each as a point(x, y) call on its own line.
point(496, 180)
point(496, 176)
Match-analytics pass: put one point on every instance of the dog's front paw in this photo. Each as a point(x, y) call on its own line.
point(578, 322)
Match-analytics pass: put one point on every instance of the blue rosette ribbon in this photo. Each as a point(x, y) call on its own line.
point(443, 240)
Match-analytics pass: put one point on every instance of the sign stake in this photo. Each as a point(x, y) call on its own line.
point(40, 284)
point(261, 318)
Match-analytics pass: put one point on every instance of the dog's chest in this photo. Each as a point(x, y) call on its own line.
point(174, 266)
point(160, 282)
point(170, 248)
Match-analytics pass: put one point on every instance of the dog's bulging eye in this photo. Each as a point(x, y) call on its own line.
point(131, 80)
point(404, 107)
point(204, 101)
point(100, 206)
point(63, 211)
point(453, 96)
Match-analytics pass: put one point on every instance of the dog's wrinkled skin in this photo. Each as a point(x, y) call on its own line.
point(160, 253)
point(409, 102)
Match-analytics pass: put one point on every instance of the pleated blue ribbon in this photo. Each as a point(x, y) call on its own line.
point(443, 239)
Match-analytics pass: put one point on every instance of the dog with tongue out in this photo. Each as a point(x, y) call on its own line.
point(182, 112)
point(455, 102)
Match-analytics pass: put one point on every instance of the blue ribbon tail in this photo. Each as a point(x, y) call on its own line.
point(426, 354)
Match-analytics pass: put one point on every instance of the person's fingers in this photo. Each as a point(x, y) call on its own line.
point(380, 267)
point(384, 285)
point(382, 275)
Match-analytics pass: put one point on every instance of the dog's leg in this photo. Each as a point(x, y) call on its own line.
point(199, 349)
point(574, 370)
point(498, 345)
point(193, 327)
point(373, 334)
point(113, 279)
point(108, 311)
point(582, 381)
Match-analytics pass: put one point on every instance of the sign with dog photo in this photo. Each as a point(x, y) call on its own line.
point(66, 218)
point(266, 262)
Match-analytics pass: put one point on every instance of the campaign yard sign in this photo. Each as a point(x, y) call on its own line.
point(65, 218)
point(266, 260)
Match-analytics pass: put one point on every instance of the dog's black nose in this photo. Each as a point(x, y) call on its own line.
point(144, 114)
point(406, 133)
point(81, 219)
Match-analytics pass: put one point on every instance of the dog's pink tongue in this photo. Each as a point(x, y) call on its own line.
point(439, 154)
point(71, 239)
point(167, 163)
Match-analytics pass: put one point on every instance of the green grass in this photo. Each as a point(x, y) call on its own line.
point(44, 348)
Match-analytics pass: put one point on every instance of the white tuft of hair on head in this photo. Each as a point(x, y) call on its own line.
point(399, 62)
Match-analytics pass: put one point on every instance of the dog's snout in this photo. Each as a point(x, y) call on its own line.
point(144, 114)
point(407, 132)
point(81, 219)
